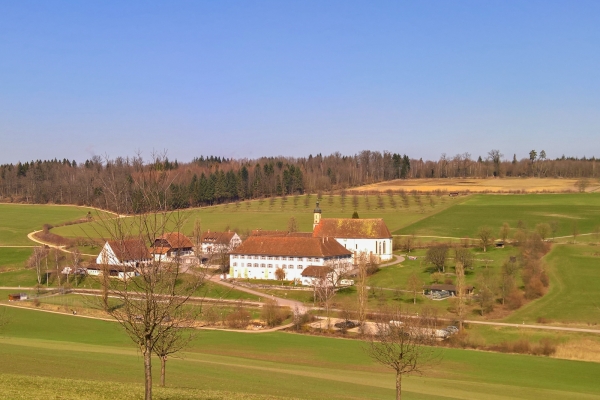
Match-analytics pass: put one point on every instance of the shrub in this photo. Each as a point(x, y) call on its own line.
point(238, 318)
point(273, 314)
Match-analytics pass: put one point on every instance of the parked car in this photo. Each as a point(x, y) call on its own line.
point(452, 329)
point(347, 324)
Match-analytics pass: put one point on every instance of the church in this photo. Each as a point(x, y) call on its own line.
point(369, 236)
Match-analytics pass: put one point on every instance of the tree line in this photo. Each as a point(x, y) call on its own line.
point(213, 180)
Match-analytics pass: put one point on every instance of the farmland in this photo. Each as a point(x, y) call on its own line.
point(491, 185)
point(237, 365)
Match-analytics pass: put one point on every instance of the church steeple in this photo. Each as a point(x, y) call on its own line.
point(316, 216)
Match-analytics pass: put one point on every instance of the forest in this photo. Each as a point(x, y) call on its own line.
point(214, 180)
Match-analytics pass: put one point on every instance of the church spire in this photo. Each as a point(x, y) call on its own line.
point(316, 216)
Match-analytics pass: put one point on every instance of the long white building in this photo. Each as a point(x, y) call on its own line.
point(258, 257)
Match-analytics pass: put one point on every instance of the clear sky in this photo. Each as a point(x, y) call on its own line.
point(252, 78)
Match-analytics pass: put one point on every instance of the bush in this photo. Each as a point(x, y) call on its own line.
point(515, 299)
point(273, 314)
point(238, 318)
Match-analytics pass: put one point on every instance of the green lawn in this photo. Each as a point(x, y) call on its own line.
point(271, 215)
point(464, 219)
point(260, 365)
point(16, 220)
point(13, 258)
point(573, 295)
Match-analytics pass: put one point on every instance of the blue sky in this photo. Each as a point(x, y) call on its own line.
point(253, 78)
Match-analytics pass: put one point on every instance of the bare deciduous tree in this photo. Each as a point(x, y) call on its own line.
point(152, 305)
point(414, 285)
point(504, 231)
point(404, 344)
point(361, 288)
point(35, 261)
point(436, 255)
point(485, 237)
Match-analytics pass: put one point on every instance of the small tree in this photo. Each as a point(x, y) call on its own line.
point(280, 275)
point(403, 343)
point(414, 285)
point(35, 261)
point(460, 293)
point(355, 215)
point(173, 340)
point(464, 257)
point(292, 224)
point(543, 230)
point(575, 230)
point(485, 237)
point(408, 243)
point(436, 255)
point(76, 258)
point(504, 231)
point(361, 287)
point(485, 297)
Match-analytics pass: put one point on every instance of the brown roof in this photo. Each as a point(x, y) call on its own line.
point(129, 249)
point(291, 246)
point(349, 228)
point(316, 271)
point(217, 237)
point(176, 240)
point(260, 232)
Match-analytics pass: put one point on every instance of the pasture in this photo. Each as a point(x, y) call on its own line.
point(491, 185)
point(248, 366)
point(465, 218)
point(573, 296)
point(17, 220)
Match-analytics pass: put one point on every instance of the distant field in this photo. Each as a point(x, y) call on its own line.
point(494, 185)
point(271, 214)
point(17, 220)
point(465, 218)
point(252, 366)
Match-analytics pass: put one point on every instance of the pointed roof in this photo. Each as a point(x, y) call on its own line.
point(176, 240)
point(291, 246)
point(348, 228)
point(129, 249)
point(217, 237)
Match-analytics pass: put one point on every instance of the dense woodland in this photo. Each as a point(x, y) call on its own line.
point(213, 180)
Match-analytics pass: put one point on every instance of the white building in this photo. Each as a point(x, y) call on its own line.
point(367, 236)
point(172, 246)
point(258, 257)
point(127, 253)
point(217, 242)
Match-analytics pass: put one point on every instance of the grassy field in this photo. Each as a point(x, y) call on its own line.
point(573, 294)
point(12, 258)
point(18, 220)
point(465, 218)
point(272, 214)
point(248, 366)
point(492, 185)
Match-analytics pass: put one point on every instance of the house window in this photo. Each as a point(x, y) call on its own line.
point(383, 247)
point(284, 266)
point(235, 264)
point(250, 264)
point(255, 265)
point(270, 265)
point(299, 267)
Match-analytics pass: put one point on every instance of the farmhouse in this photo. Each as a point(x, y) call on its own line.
point(127, 252)
point(114, 271)
point(260, 256)
point(319, 275)
point(367, 236)
point(172, 245)
point(217, 242)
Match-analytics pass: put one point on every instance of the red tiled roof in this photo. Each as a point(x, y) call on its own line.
point(129, 249)
point(352, 228)
point(176, 240)
point(316, 271)
point(260, 232)
point(291, 246)
point(217, 237)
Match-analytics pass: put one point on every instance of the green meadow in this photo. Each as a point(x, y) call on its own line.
point(274, 214)
point(17, 220)
point(48, 352)
point(465, 218)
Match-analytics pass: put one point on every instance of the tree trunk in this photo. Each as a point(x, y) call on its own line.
point(398, 386)
point(148, 369)
point(163, 365)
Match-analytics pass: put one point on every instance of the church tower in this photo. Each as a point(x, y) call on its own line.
point(316, 216)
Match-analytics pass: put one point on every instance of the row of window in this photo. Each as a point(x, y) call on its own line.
point(307, 259)
point(255, 265)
